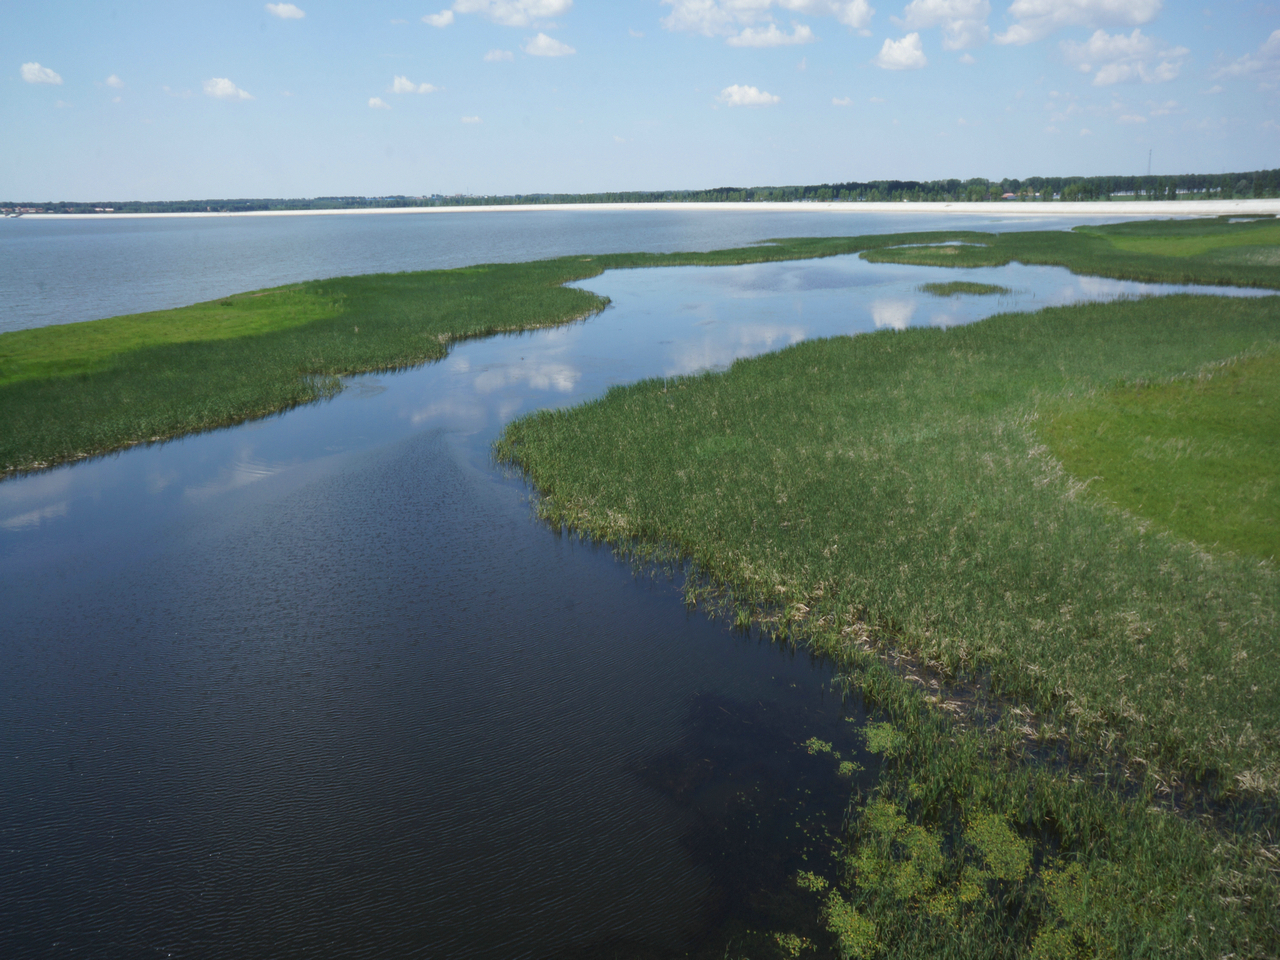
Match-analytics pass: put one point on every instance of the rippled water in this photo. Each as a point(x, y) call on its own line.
point(321, 685)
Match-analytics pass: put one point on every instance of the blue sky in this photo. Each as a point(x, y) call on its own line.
point(147, 100)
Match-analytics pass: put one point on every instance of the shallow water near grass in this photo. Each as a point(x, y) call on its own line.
point(321, 683)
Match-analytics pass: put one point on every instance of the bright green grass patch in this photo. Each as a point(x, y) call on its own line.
point(1192, 239)
point(1199, 455)
point(65, 350)
point(963, 287)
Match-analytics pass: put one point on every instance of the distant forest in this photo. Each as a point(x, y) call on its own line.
point(1190, 186)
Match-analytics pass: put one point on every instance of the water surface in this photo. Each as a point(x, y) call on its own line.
point(61, 271)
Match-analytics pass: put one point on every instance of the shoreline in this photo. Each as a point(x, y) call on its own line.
point(1089, 208)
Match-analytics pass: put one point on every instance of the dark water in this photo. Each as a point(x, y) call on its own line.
point(320, 685)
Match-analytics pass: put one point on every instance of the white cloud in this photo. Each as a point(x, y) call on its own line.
point(514, 13)
point(1132, 118)
point(968, 59)
point(1166, 108)
point(544, 46)
point(1121, 58)
point(963, 22)
point(724, 18)
point(1036, 19)
point(405, 85)
point(377, 103)
point(441, 19)
point(496, 56)
point(635, 34)
point(618, 139)
point(852, 13)
point(1086, 132)
point(471, 120)
point(772, 37)
point(876, 100)
point(221, 88)
point(841, 101)
point(1215, 89)
point(904, 54)
point(742, 96)
point(285, 11)
point(114, 81)
point(1266, 60)
point(34, 73)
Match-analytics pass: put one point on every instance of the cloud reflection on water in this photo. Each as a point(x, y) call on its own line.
point(33, 518)
point(246, 469)
point(893, 314)
point(717, 352)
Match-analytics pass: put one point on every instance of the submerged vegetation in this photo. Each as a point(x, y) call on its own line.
point(1074, 664)
point(1041, 547)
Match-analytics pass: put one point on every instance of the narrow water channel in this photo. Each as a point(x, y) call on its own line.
point(321, 685)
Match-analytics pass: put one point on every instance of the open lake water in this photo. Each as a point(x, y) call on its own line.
point(322, 685)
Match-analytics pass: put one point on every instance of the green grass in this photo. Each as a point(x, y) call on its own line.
point(963, 287)
point(1202, 251)
point(891, 493)
point(1197, 454)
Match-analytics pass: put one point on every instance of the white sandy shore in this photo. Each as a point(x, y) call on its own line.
point(1115, 208)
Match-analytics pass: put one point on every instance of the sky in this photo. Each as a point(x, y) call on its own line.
point(235, 98)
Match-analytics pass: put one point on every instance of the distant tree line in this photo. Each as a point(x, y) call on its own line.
point(1187, 186)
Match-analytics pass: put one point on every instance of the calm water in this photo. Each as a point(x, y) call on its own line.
point(320, 685)
point(60, 271)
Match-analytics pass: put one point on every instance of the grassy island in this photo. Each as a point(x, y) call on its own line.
point(1042, 547)
point(957, 288)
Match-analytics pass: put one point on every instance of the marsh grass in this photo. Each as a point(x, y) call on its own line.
point(1202, 251)
point(891, 491)
point(963, 287)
